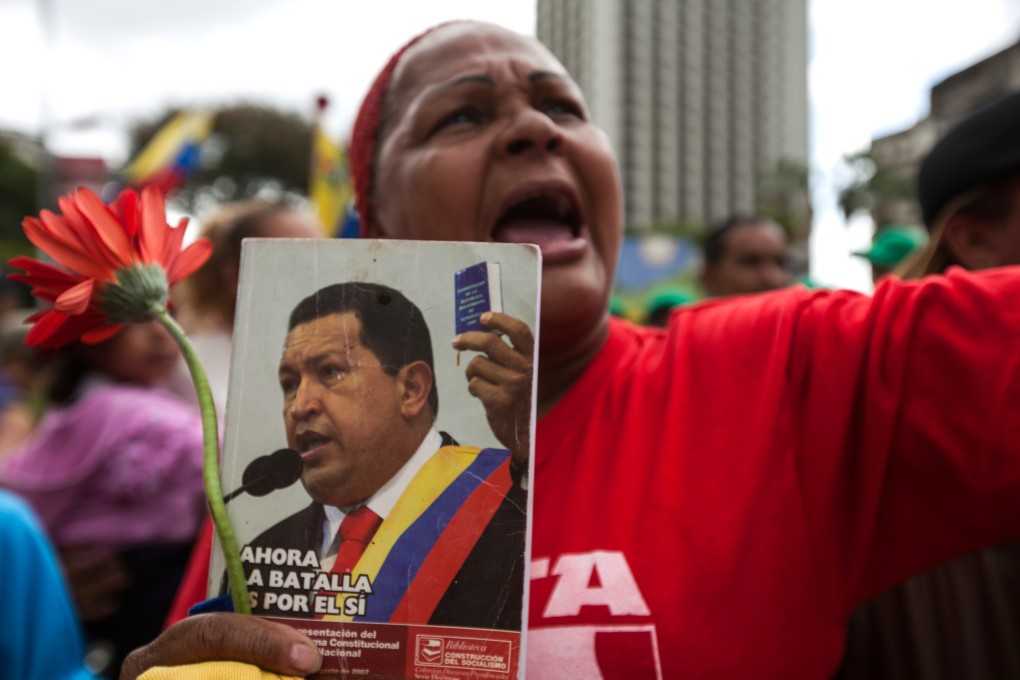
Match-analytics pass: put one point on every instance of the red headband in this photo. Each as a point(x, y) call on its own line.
point(365, 135)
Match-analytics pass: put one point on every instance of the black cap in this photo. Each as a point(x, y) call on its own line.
point(982, 148)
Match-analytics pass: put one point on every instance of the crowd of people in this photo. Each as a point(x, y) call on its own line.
point(716, 497)
point(104, 443)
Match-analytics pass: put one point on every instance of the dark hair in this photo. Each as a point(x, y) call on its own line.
point(714, 245)
point(991, 204)
point(69, 371)
point(983, 147)
point(206, 292)
point(392, 327)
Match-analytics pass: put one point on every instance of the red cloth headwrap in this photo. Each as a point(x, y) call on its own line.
point(365, 135)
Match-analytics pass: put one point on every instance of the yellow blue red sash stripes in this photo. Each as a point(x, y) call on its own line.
point(433, 527)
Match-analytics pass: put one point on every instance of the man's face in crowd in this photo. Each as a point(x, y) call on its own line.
point(488, 139)
point(753, 261)
point(341, 410)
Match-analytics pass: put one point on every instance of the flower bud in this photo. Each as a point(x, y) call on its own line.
point(139, 291)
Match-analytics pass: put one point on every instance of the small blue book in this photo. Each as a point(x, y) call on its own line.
point(476, 290)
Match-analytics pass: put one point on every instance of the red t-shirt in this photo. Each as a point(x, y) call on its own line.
point(712, 501)
point(715, 499)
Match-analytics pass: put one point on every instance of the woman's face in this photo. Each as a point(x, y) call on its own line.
point(141, 354)
point(486, 138)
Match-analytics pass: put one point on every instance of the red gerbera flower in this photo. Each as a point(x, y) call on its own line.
point(118, 264)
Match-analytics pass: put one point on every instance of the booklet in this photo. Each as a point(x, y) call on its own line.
point(376, 510)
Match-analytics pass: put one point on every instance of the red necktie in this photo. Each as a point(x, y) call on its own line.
point(355, 532)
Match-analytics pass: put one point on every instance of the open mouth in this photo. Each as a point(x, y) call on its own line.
point(310, 440)
point(539, 218)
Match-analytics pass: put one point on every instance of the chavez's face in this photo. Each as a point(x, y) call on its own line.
point(339, 408)
point(488, 139)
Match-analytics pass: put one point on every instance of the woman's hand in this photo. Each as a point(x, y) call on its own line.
point(501, 376)
point(227, 637)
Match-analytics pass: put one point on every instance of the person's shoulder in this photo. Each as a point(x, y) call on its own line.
point(13, 508)
point(119, 395)
point(135, 406)
point(19, 525)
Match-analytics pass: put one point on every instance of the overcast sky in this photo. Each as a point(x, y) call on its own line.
point(872, 63)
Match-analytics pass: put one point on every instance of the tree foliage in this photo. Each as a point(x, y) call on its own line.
point(18, 198)
point(872, 186)
point(784, 196)
point(253, 148)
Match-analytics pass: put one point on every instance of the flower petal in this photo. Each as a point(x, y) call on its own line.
point(60, 229)
point(46, 325)
point(47, 282)
point(107, 227)
point(125, 208)
point(101, 334)
point(189, 261)
point(36, 316)
point(86, 233)
point(72, 328)
point(40, 270)
point(79, 240)
point(73, 259)
point(175, 238)
point(155, 232)
point(75, 300)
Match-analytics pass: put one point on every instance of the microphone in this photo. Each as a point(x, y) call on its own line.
point(267, 474)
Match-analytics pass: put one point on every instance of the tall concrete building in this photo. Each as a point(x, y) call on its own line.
point(700, 97)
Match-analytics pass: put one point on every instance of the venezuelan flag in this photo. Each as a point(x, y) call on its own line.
point(329, 188)
point(172, 154)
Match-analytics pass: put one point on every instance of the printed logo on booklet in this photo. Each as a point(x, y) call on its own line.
point(430, 651)
point(463, 653)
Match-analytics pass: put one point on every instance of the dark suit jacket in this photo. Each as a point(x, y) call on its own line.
point(487, 591)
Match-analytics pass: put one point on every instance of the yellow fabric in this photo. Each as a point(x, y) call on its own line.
point(160, 152)
point(211, 670)
point(329, 188)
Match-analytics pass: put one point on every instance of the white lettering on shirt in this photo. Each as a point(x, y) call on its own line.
point(616, 587)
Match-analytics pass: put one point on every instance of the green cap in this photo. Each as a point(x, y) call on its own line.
point(618, 307)
point(893, 243)
point(669, 298)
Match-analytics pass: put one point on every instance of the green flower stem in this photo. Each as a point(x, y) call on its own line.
point(211, 464)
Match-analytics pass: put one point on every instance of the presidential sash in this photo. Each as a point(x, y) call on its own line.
point(422, 544)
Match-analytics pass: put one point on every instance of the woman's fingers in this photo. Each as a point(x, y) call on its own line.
point(227, 637)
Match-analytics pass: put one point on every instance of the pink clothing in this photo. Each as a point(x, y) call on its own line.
point(119, 467)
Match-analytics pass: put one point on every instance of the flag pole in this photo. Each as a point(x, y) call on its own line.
point(44, 185)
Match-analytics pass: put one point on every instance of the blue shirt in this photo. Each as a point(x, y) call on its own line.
point(40, 637)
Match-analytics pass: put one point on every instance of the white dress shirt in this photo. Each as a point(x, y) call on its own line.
point(382, 501)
